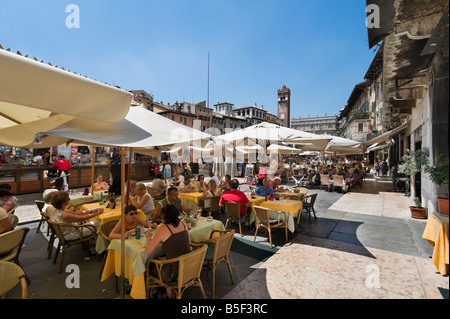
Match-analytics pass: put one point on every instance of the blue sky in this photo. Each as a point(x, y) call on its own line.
point(316, 48)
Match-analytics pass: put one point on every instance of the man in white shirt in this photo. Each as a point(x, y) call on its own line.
point(187, 186)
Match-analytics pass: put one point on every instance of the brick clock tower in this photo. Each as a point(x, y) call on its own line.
point(284, 105)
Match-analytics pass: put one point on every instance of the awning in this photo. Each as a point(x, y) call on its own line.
point(387, 135)
point(381, 145)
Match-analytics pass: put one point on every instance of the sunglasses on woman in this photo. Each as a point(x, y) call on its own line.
point(133, 213)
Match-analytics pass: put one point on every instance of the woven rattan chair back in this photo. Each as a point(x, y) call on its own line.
point(262, 214)
point(11, 275)
point(12, 240)
point(214, 204)
point(233, 210)
point(106, 228)
point(14, 221)
point(292, 197)
point(190, 266)
point(40, 204)
point(222, 244)
point(13, 209)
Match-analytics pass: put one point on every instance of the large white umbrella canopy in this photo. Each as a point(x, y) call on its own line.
point(35, 92)
point(143, 130)
point(269, 133)
point(344, 146)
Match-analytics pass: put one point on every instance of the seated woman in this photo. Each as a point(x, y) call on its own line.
point(100, 185)
point(60, 201)
point(7, 200)
point(131, 222)
point(174, 236)
point(201, 183)
point(211, 191)
point(159, 186)
point(143, 200)
point(225, 183)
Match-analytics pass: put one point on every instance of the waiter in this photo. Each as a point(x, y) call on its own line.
point(63, 167)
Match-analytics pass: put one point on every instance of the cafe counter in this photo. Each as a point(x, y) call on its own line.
point(35, 179)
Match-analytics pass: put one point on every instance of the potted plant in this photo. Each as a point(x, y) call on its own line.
point(412, 163)
point(439, 175)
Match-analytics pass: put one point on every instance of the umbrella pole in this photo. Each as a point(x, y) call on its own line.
point(122, 153)
point(92, 170)
point(129, 175)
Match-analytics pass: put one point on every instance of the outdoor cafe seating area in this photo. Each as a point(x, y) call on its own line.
point(211, 235)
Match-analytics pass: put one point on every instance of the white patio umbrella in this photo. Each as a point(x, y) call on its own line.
point(45, 96)
point(268, 133)
point(143, 130)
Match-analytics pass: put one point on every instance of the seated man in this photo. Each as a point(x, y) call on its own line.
point(261, 191)
point(187, 186)
point(171, 199)
point(236, 196)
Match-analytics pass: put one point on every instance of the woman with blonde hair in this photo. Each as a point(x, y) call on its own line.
point(210, 192)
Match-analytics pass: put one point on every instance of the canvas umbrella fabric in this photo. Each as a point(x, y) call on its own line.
point(268, 133)
point(143, 130)
point(35, 92)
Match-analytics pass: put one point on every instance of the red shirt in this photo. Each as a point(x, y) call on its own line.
point(235, 196)
point(62, 165)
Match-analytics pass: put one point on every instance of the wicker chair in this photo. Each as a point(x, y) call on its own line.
point(14, 221)
point(218, 251)
point(291, 196)
point(214, 205)
point(308, 205)
point(11, 244)
point(264, 220)
point(10, 276)
point(189, 270)
point(40, 204)
point(64, 243)
point(50, 231)
point(325, 180)
point(338, 181)
point(104, 230)
point(233, 213)
point(13, 209)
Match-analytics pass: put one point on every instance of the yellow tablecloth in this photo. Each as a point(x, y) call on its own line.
point(195, 197)
point(136, 257)
point(285, 205)
point(258, 200)
point(292, 207)
point(191, 199)
point(436, 232)
point(108, 214)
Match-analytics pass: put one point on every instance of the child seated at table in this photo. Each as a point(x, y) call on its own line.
point(131, 222)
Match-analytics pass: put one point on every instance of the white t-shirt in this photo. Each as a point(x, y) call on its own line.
point(149, 205)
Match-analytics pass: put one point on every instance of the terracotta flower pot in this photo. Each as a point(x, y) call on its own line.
point(443, 206)
point(418, 212)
